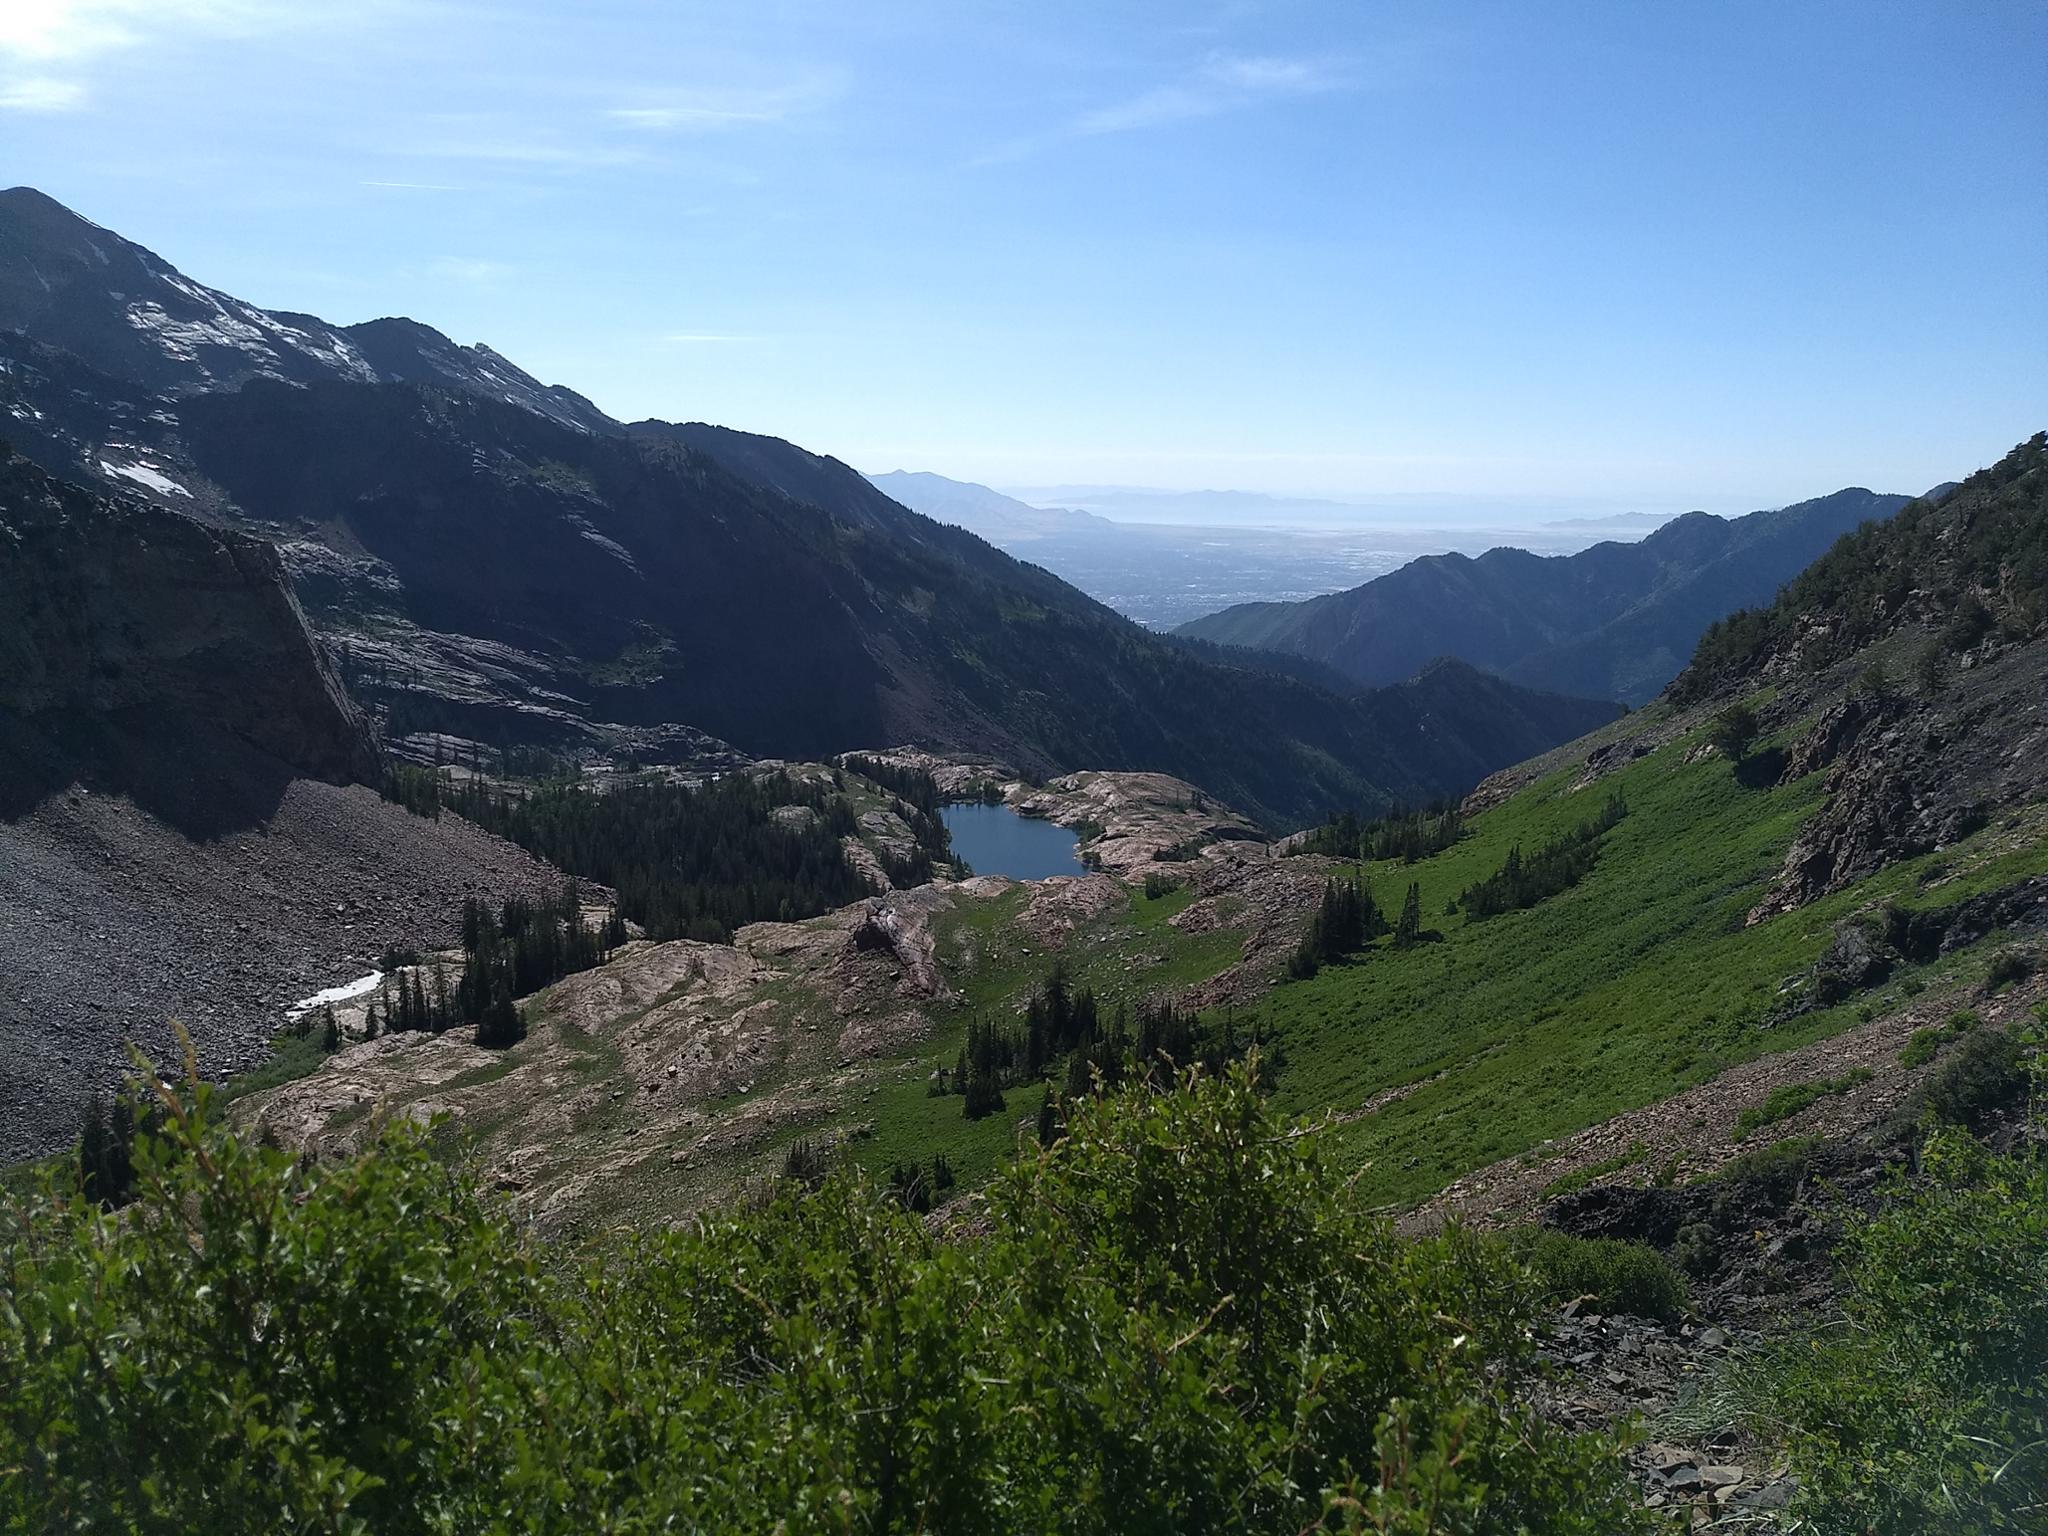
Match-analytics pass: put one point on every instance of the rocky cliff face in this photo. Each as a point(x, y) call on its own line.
point(167, 848)
point(112, 611)
point(1912, 658)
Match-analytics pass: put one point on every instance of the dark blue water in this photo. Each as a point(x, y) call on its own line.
point(995, 840)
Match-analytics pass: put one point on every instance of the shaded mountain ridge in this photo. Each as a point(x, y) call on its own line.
point(489, 564)
point(1616, 621)
point(184, 833)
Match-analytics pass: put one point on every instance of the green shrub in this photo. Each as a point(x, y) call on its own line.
point(1924, 1044)
point(1734, 730)
point(1571, 1183)
point(1696, 1250)
point(1178, 1318)
point(2007, 967)
point(1788, 1099)
point(1767, 1176)
point(1611, 1275)
point(1981, 1077)
point(1924, 1407)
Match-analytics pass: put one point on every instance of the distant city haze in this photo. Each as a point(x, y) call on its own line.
point(1255, 509)
point(1619, 258)
point(1164, 557)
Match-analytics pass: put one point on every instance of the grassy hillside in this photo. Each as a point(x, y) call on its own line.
point(1640, 981)
point(1643, 979)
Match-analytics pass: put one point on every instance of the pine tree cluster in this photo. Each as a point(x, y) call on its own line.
point(911, 785)
point(519, 949)
point(1557, 866)
point(688, 862)
point(1403, 835)
point(917, 802)
point(1348, 920)
point(1065, 1023)
point(920, 1186)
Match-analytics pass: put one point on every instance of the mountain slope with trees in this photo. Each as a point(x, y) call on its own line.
point(490, 564)
point(1586, 1010)
point(1615, 621)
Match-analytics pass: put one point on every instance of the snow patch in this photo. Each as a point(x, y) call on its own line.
point(142, 474)
point(341, 994)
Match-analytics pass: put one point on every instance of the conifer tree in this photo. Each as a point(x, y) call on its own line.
point(93, 1136)
point(1037, 1042)
point(1408, 931)
point(106, 1143)
point(500, 1025)
point(984, 1089)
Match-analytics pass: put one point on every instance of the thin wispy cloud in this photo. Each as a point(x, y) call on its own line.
point(1221, 83)
point(65, 30)
point(511, 145)
point(684, 117)
point(35, 93)
point(710, 109)
point(1218, 84)
point(466, 269)
point(59, 41)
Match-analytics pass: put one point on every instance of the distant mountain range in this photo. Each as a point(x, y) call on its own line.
point(492, 557)
point(1618, 521)
point(991, 515)
point(1200, 509)
point(1616, 621)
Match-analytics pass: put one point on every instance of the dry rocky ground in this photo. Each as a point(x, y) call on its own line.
point(660, 1066)
point(112, 924)
point(645, 1081)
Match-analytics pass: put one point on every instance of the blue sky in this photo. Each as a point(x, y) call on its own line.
point(1665, 255)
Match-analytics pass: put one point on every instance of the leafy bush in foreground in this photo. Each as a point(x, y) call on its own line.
point(1178, 1320)
point(1925, 1408)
